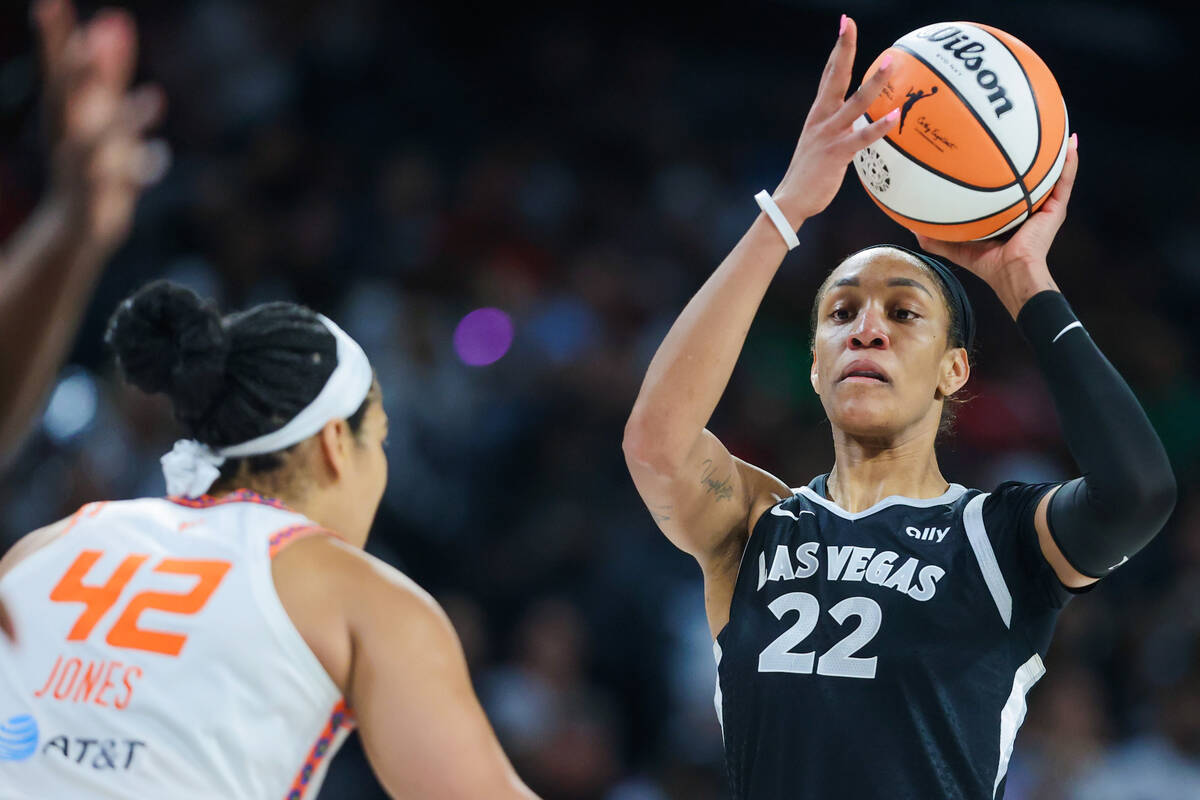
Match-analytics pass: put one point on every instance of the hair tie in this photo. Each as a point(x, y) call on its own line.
point(190, 468)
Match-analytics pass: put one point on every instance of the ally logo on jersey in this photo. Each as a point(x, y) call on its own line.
point(931, 534)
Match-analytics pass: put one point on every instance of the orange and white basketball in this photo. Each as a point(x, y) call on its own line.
point(982, 135)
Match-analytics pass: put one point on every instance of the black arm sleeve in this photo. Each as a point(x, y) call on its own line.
point(1127, 491)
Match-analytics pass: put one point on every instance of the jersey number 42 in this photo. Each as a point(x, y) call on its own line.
point(125, 632)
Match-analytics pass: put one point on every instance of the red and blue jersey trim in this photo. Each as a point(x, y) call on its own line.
point(237, 496)
point(341, 721)
point(282, 538)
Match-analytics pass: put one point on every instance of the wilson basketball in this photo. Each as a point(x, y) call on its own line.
point(982, 135)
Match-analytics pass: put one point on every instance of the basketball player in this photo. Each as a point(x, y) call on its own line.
point(223, 641)
point(877, 629)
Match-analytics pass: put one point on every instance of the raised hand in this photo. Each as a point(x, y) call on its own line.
point(100, 162)
point(999, 262)
point(828, 142)
point(94, 123)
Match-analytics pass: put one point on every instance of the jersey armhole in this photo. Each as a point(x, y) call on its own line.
point(752, 531)
point(282, 626)
point(1040, 570)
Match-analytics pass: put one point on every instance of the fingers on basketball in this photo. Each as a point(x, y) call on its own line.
point(835, 80)
point(869, 134)
point(936, 246)
point(1066, 181)
point(1060, 195)
point(866, 94)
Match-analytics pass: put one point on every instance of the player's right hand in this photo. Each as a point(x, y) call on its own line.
point(95, 124)
point(828, 141)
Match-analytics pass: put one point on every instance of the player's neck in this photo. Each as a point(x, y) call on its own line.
point(864, 473)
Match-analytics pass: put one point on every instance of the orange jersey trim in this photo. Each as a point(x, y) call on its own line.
point(341, 717)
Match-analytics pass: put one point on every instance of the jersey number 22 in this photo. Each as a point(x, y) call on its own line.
point(839, 661)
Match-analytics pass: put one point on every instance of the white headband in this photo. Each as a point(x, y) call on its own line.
point(191, 467)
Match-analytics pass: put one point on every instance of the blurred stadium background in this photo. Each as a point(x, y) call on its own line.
point(397, 165)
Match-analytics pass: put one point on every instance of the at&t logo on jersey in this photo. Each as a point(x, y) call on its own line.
point(97, 753)
point(18, 738)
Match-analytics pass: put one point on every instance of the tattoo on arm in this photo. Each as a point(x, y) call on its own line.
point(661, 513)
point(722, 489)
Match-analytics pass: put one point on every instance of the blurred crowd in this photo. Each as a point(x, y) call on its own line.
point(398, 165)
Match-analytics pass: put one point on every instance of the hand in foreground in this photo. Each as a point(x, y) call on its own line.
point(95, 123)
point(993, 259)
point(6, 626)
point(828, 142)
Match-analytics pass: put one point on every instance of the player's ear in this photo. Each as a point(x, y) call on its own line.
point(334, 442)
point(956, 370)
point(812, 372)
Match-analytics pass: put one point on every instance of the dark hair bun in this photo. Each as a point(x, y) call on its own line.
point(168, 339)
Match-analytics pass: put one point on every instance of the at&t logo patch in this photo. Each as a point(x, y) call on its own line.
point(18, 738)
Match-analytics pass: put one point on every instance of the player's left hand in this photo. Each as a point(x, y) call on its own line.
point(1028, 247)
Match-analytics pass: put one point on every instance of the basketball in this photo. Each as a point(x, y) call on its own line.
point(982, 135)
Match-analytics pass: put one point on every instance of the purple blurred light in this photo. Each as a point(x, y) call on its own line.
point(483, 336)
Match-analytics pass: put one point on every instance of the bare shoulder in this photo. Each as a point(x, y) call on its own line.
point(390, 607)
point(30, 543)
point(338, 565)
point(357, 574)
point(340, 597)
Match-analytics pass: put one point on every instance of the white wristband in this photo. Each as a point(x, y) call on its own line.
point(767, 204)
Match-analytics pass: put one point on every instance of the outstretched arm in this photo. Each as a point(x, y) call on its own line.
point(1092, 524)
point(100, 164)
point(702, 497)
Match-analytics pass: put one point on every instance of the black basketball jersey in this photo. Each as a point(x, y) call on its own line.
point(884, 653)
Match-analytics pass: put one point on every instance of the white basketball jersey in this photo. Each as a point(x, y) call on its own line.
point(155, 660)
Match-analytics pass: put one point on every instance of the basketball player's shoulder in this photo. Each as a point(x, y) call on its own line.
point(1014, 498)
point(346, 601)
point(32, 542)
point(38, 539)
point(346, 574)
point(783, 502)
point(1006, 500)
